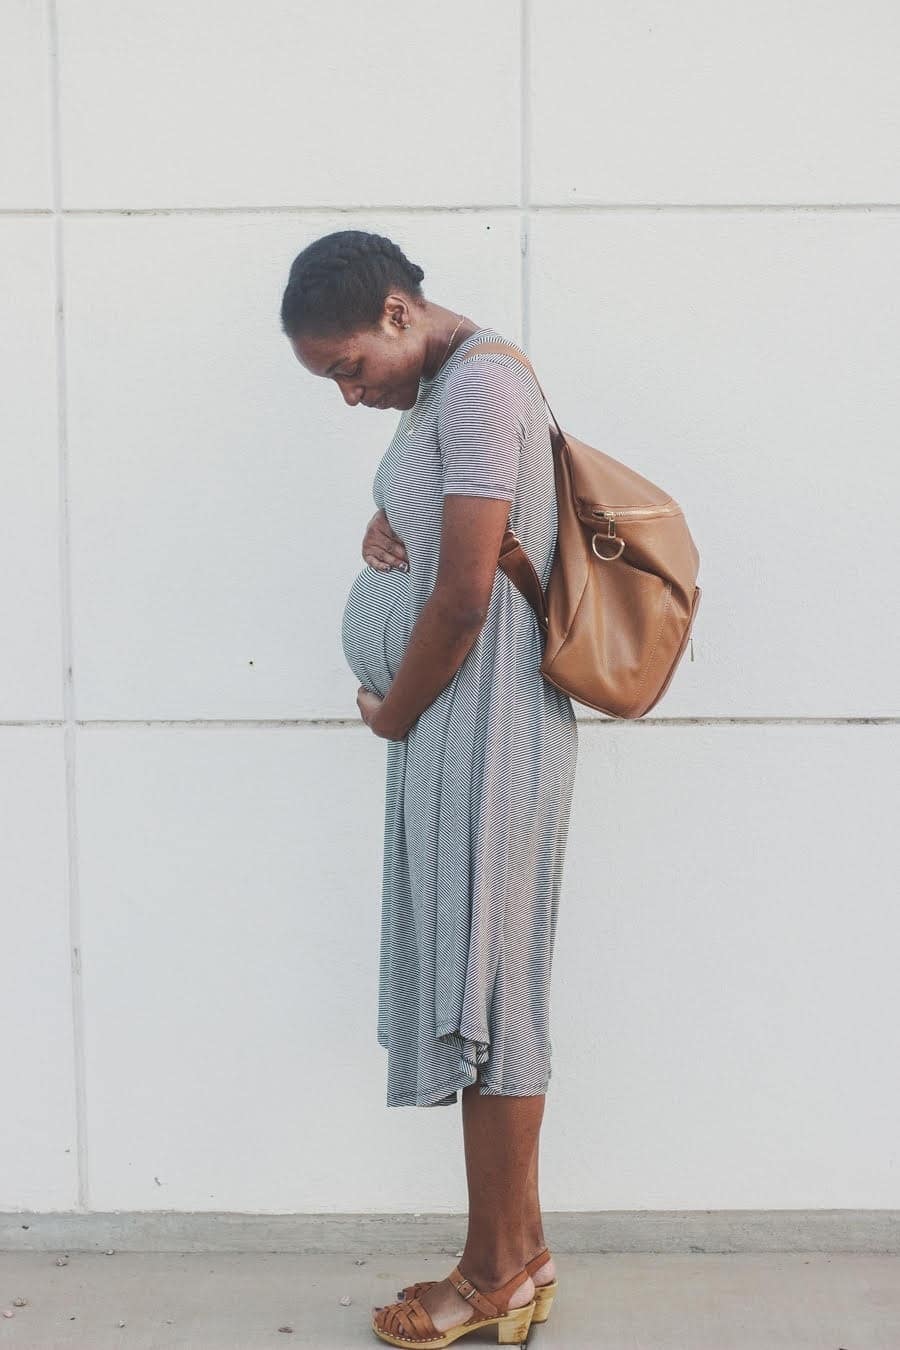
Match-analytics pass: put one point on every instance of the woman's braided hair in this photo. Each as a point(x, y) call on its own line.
point(338, 284)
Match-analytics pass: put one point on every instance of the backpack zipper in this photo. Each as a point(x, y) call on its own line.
point(631, 512)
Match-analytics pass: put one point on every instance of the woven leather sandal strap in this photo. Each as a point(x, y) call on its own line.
point(409, 1319)
point(421, 1323)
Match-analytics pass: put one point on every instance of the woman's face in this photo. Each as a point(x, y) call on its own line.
point(379, 367)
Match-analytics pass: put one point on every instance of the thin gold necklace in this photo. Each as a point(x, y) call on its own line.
point(462, 319)
point(411, 412)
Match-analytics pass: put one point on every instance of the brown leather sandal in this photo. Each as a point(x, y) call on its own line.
point(544, 1294)
point(408, 1324)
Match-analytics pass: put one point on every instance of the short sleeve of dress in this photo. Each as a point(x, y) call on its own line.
point(481, 428)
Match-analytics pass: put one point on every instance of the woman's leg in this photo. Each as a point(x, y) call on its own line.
point(501, 1138)
point(533, 1224)
point(532, 1220)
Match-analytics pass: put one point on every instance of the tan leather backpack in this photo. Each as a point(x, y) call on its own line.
point(622, 596)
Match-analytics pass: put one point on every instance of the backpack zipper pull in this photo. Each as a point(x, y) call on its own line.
point(611, 517)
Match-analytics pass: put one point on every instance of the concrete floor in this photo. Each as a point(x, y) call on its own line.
point(236, 1301)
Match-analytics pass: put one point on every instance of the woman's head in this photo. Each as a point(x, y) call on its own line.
point(352, 309)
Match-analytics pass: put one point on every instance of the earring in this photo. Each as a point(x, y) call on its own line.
point(406, 325)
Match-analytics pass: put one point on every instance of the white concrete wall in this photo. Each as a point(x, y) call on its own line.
point(689, 213)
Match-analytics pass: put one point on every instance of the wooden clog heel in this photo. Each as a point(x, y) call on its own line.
point(544, 1294)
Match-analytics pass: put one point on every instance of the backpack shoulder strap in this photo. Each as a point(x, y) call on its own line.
point(513, 560)
point(511, 351)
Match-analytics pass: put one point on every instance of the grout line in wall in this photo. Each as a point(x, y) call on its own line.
point(524, 170)
point(68, 691)
point(341, 722)
point(497, 208)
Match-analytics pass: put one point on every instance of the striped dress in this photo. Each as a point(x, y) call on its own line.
point(478, 794)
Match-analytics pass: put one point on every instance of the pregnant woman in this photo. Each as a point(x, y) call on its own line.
point(481, 750)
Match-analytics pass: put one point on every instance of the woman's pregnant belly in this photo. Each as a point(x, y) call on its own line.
point(374, 628)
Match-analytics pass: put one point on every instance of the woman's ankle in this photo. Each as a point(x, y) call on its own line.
point(534, 1244)
point(485, 1271)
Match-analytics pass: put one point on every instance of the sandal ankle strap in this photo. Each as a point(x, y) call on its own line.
point(537, 1261)
point(498, 1303)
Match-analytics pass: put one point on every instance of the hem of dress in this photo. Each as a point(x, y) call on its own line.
point(485, 1089)
point(447, 1096)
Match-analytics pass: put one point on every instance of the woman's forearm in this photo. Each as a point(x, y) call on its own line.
point(440, 641)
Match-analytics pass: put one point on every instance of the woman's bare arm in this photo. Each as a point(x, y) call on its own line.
point(453, 615)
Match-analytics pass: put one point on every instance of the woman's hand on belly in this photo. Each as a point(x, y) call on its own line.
point(381, 548)
point(368, 704)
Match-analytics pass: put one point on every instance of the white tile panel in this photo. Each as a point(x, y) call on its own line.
point(706, 102)
point(221, 103)
point(231, 894)
point(38, 1140)
point(726, 972)
point(31, 668)
point(25, 172)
